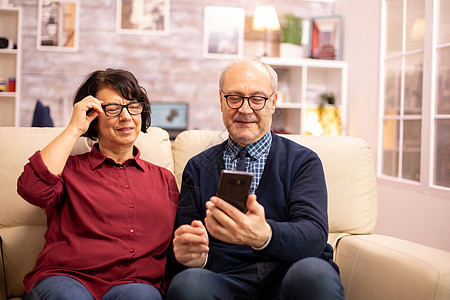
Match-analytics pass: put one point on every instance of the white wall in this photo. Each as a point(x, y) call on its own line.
point(405, 211)
point(413, 214)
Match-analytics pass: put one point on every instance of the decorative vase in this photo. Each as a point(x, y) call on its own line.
point(288, 50)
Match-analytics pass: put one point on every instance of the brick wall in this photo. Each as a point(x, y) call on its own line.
point(170, 68)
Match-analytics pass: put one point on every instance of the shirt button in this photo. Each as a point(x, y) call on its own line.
point(131, 205)
point(132, 230)
point(131, 251)
point(121, 167)
point(127, 186)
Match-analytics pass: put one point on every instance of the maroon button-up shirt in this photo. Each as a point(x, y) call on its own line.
point(108, 223)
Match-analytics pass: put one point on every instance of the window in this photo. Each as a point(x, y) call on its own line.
point(415, 97)
point(441, 113)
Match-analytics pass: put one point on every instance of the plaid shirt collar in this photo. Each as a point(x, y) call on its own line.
point(255, 150)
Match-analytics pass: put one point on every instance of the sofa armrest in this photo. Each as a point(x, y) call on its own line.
point(3, 293)
point(381, 267)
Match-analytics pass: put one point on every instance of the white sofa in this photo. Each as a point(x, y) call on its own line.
point(372, 266)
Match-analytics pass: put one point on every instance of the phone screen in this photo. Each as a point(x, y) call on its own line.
point(234, 187)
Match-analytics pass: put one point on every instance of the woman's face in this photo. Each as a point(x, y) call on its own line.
point(119, 131)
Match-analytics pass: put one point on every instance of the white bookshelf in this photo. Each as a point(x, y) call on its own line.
point(10, 59)
point(301, 82)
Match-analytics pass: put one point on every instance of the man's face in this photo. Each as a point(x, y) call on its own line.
point(247, 79)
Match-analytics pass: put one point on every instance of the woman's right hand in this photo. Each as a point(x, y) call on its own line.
point(81, 119)
point(55, 154)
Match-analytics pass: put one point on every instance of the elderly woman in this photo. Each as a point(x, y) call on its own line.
point(109, 213)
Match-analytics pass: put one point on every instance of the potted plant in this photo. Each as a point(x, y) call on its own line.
point(329, 114)
point(291, 37)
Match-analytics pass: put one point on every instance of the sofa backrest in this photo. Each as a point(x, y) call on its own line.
point(22, 225)
point(348, 167)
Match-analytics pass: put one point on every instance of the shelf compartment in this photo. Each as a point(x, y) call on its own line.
point(7, 104)
point(286, 121)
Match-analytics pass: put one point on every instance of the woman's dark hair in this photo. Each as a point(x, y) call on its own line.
point(124, 83)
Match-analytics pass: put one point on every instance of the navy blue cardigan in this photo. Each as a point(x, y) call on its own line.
point(293, 192)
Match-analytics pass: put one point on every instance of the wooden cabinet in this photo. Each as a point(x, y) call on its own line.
point(10, 28)
point(301, 83)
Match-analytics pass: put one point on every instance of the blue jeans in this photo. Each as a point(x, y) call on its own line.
point(310, 278)
point(67, 288)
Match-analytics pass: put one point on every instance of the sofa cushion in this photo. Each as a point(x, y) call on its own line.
point(382, 267)
point(189, 143)
point(352, 205)
point(20, 247)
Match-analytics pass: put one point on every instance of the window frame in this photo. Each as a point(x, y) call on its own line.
point(429, 114)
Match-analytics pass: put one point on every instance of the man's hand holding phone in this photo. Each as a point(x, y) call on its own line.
point(227, 223)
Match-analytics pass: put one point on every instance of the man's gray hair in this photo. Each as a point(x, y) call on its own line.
point(273, 74)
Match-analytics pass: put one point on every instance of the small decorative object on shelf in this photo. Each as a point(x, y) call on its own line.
point(329, 114)
point(12, 84)
point(6, 43)
point(326, 118)
point(327, 98)
point(291, 37)
point(2, 85)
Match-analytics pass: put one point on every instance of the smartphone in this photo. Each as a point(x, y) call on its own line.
point(234, 187)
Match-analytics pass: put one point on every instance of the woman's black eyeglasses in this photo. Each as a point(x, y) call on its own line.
point(113, 110)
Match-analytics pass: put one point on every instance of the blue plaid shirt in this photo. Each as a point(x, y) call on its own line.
point(255, 160)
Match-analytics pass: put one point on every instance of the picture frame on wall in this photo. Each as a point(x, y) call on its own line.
point(58, 25)
point(325, 38)
point(142, 17)
point(223, 32)
point(170, 116)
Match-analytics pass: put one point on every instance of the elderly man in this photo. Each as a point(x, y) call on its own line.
point(278, 247)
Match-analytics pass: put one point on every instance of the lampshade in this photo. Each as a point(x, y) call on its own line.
point(265, 18)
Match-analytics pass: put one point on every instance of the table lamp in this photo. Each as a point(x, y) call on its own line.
point(265, 19)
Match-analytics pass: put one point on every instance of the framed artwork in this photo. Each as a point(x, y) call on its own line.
point(169, 115)
point(58, 25)
point(142, 17)
point(325, 37)
point(223, 32)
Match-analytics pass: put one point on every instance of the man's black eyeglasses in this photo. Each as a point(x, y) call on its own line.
point(113, 110)
point(255, 102)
